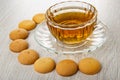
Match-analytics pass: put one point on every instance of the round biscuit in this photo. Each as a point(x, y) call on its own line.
point(18, 34)
point(89, 66)
point(28, 56)
point(18, 45)
point(38, 18)
point(44, 65)
point(66, 67)
point(27, 24)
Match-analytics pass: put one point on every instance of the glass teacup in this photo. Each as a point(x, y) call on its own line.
point(71, 22)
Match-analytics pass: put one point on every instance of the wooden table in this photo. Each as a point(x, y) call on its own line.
point(14, 11)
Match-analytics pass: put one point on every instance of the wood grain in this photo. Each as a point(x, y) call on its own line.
point(13, 11)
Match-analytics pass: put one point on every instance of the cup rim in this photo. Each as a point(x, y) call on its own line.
point(84, 24)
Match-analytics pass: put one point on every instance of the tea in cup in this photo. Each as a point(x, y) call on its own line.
point(71, 22)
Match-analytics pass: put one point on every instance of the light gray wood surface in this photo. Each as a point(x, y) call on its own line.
point(14, 11)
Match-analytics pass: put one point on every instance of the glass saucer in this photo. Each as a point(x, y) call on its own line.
point(47, 41)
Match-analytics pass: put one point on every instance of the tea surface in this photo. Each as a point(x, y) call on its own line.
point(72, 18)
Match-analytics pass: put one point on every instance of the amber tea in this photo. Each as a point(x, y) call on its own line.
point(72, 20)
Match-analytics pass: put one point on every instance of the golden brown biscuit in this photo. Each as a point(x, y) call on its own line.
point(28, 56)
point(44, 65)
point(89, 66)
point(38, 18)
point(18, 45)
point(18, 34)
point(66, 67)
point(27, 24)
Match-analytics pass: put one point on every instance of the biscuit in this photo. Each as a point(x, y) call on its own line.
point(18, 45)
point(27, 24)
point(28, 56)
point(18, 34)
point(44, 65)
point(38, 18)
point(66, 67)
point(89, 66)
